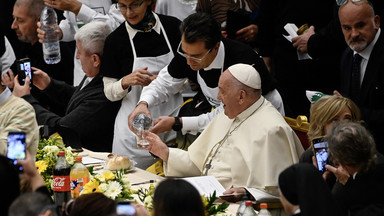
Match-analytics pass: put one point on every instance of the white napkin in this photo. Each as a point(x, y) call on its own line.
point(291, 28)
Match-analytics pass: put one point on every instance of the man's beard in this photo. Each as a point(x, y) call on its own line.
point(356, 45)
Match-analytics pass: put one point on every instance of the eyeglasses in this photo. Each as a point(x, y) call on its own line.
point(132, 7)
point(191, 57)
point(343, 2)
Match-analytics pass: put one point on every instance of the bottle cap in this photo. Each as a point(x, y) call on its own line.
point(263, 205)
point(61, 153)
point(79, 159)
point(248, 203)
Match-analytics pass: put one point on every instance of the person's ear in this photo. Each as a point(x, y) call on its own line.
point(96, 60)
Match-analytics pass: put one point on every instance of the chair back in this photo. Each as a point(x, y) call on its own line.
point(301, 126)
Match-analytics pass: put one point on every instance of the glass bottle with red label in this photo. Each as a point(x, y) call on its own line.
point(61, 180)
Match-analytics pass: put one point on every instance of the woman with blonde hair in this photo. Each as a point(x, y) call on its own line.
point(323, 113)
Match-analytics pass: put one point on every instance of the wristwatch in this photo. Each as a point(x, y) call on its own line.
point(177, 126)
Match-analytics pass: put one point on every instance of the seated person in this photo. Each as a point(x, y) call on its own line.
point(304, 192)
point(26, 14)
point(17, 115)
point(359, 169)
point(323, 113)
point(89, 113)
point(32, 204)
point(247, 145)
point(93, 204)
point(170, 199)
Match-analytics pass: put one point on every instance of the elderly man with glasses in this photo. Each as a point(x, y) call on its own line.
point(203, 55)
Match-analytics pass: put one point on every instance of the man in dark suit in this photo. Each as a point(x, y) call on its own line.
point(89, 114)
point(361, 29)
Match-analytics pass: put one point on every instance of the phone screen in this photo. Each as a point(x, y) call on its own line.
point(320, 146)
point(125, 208)
point(16, 147)
point(24, 70)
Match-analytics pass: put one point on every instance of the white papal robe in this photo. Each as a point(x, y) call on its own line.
point(259, 146)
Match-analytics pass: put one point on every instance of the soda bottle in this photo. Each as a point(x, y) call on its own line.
point(61, 181)
point(242, 206)
point(264, 210)
point(79, 177)
point(51, 45)
point(249, 211)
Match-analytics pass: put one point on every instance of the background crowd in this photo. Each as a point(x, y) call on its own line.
point(120, 58)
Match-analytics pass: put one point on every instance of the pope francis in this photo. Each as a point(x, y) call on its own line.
point(246, 146)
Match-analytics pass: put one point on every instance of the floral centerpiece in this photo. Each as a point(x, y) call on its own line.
point(46, 158)
point(113, 185)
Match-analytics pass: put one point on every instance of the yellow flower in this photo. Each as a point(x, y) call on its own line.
point(91, 187)
point(108, 175)
point(41, 166)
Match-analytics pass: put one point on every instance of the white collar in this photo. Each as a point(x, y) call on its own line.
point(218, 62)
point(132, 31)
point(5, 94)
point(366, 53)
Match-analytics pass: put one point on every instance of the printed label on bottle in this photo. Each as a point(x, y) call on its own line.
point(61, 183)
point(77, 184)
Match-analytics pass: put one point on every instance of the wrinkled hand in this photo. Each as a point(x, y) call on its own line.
point(301, 42)
point(162, 124)
point(142, 107)
point(66, 5)
point(340, 172)
point(235, 198)
point(40, 79)
point(41, 32)
point(21, 90)
point(138, 77)
point(156, 146)
point(7, 79)
point(247, 34)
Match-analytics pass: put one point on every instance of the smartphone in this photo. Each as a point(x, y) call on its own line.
point(125, 208)
point(320, 150)
point(24, 70)
point(16, 147)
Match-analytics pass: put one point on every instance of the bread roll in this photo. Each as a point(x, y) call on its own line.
point(119, 162)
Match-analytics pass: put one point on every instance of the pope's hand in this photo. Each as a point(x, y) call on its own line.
point(156, 146)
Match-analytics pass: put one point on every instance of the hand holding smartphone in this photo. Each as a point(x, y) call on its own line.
point(16, 148)
point(320, 150)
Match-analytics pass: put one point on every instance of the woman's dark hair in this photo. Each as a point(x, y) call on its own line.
point(174, 197)
point(201, 27)
point(93, 204)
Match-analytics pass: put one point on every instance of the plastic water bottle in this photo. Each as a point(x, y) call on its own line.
point(61, 184)
point(249, 211)
point(79, 177)
point(264, 210)
point(242, 206)
point(51, 45)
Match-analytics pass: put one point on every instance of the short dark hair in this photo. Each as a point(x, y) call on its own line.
point(170, 199)
point(31, 204)
point(93, 204)
point(201, 27)
point(351, 144)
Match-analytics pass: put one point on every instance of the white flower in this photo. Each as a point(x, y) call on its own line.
point(102, 179)
point(103, 187)
point(51, 150)
point(148, 202)
point(126, 183)
point(114, 190)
